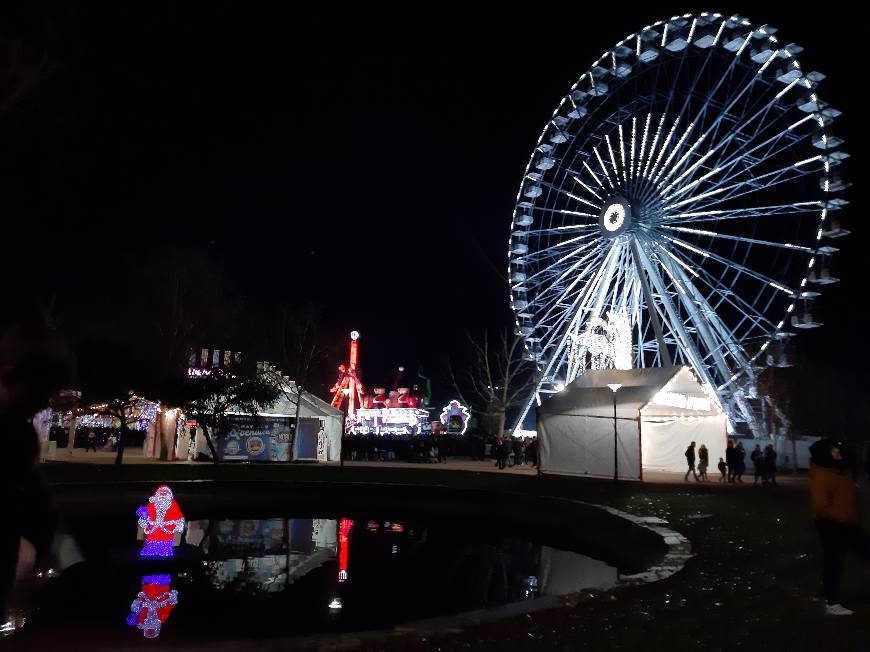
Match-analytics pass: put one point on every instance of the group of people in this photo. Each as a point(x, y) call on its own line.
point(733, 465)
point(515, 452)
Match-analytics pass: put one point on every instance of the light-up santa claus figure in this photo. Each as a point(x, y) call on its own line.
point(160, 520)
point(152, 605)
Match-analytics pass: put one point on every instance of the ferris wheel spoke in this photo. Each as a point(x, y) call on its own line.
point(546, 251)
point(643, 144)
point(563, 333)
point(710, 315)
point(708, 255)
point(594, 176)
point(587, 188)
point(734, 238)
point(715, 215)
point(672, 317)
point(603, 168)
point(576, 198)
point(747, 156)
point(561, 293)
point(652, 146)
point(761, 128)
point(745, 164)
point(723, 193)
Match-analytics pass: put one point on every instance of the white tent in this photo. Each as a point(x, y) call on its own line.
point(312, 408)
point(659, 411)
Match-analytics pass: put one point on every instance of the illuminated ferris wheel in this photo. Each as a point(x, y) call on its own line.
point(679, 208)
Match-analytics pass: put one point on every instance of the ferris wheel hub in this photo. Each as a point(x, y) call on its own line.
point(615, 218)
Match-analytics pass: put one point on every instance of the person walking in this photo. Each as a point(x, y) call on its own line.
point(91, 441)
point(730, 460)
point(723, 471)
point(835, 514)
point(757, 458)
point(703, 462)
point(500, 452)
point(770, 464)
point(740, 459)
point(690, 460)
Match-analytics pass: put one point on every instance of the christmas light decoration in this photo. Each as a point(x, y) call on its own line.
point(153, 604)
point(603, 345)
point(455, 412)
point(160, 521)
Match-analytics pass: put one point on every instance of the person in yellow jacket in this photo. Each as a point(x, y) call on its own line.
point(835, 512)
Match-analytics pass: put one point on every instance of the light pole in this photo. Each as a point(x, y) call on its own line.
point(614, 387)
point(346, 392)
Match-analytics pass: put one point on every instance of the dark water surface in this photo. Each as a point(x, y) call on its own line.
point(259, 578)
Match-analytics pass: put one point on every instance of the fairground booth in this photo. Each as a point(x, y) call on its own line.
point(658, 412)
point(267, 436)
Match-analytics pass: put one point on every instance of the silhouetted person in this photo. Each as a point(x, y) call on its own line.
point(730, 460)
point(500, 453)
point(740, 461)
point(91, 441)
point(690, 460)
point(770, 464)
point(703, 461)
point(34, 364)
point(835, 513)
point(723, 470)
point(757, 458)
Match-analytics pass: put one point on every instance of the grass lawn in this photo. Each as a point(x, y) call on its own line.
point(754, 581)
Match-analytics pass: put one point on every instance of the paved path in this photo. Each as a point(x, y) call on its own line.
point(135, 456)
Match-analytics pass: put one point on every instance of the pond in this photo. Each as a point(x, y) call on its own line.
point(237, 578)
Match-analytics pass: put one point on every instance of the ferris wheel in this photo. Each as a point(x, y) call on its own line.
point(679, 208)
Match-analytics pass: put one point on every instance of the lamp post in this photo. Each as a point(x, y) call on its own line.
point(614, 387)
point(346, 392)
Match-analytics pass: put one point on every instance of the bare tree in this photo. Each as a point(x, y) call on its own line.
point(496, 377)
point(125, 411)
point(301, 350)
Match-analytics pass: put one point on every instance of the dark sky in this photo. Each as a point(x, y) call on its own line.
point(364, 160)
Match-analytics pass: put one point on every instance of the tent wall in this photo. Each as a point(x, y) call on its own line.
point(785, 451)
point(664, 444)
point(583, 445)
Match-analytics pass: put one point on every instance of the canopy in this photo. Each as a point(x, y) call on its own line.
point(658, 411)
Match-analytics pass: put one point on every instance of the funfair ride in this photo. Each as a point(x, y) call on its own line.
point(348, 386)
point(679, 208)
point(398, 413)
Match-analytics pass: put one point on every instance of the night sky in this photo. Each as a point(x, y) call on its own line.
point(367, 162)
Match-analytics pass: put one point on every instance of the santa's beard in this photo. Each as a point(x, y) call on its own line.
point(162, 504)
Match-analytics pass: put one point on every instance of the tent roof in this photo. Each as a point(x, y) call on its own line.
point(287, 403)
point(589, 394)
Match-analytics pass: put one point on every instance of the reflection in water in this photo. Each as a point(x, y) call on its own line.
point(152, 605)
point(566, 572)
point(343, 547)
point(161, 519)
point(262, 556)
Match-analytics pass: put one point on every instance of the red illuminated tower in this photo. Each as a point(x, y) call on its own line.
point(348, 383)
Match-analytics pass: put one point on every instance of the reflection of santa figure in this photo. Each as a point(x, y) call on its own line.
point(152, 606)
point(160, 521)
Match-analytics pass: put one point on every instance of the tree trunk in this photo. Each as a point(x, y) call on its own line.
point(296, 423)
point(499, 432)
point(119, 456)
point(211, 448)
